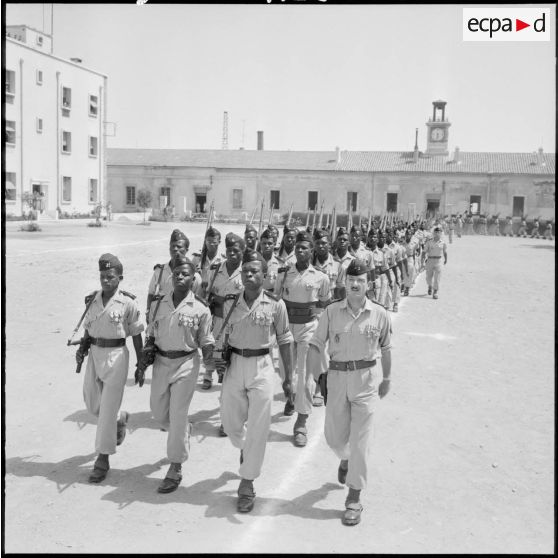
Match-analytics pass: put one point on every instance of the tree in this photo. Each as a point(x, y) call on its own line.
point(144, 199)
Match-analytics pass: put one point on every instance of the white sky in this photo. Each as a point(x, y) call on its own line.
point(312, 77)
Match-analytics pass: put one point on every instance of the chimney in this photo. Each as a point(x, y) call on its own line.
point(76, 60)
point(456, 156)
point(416, 151)
point(260, 140)
point(540, 157)
point(337, 154)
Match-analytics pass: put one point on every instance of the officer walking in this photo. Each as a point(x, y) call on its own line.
point(435, 248)
point(355, 330)
point(258, 320)
point(112, 315)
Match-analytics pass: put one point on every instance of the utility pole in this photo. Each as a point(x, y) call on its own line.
point(225, 143)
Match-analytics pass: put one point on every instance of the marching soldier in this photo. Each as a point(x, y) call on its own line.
point(287, 247)
point(508, 229)
point(548, 231)
point(357, 249)
point(354, 330)
point(267, 244)
point(275, 235)
point(162, 274)
point(459, 226)
point(396, 259)
point(535, 231)
point(451, 228)
point(303, 288)
point(208, 258)
point(341, 249)
point(435, 248)
point(112, 315)
point(251, 237)
point(522, 232)
point(469, 224)
point(386, 293)
point(258, 320)
point(179, 326)
point(409, 246)
point(227, 281)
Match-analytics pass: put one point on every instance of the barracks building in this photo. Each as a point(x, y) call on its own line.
point(433, 181)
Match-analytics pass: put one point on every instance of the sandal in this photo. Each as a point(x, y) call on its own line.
point(352, 513)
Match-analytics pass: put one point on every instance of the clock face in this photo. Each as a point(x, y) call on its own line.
point(437, 134)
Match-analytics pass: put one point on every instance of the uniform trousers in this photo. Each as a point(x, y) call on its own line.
point(351, 400)
point(409, 273)
point(217, 324)
point(303, 380)
point(548, 234)
point(433, 273)
point(103, 390)
point(395, 285)
point(172, 387)
point(450, 236)
point(246, 399)
point(385, 293)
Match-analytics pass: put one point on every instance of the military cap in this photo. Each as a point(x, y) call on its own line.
point(180, 259)
point(179, 235)
point(289, 228)
point(250, 228)
point(231, 239)
point(251, 256)
point(273, 228)
point(355, 229)
point(438, 229)
point(212, 232)
point(341, 230)
point(321, 233)
point(304, 236)
point(357, 267)
point(108, 261)
point(267, 233)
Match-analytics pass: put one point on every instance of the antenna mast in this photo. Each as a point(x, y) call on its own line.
point(225, 143)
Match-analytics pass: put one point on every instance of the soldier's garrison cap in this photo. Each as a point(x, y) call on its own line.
point(250, 228)
point(212, 232)
point(437, 229)
point(355, 229)
point(267, 233)
point(231, 239)
point(252, 256)
point(342, 230)
point(321, 233)
point(289, 228)
point(357, 267)
point(304, 236)
point(108, 261)
point(177, 235)
point(180, 259)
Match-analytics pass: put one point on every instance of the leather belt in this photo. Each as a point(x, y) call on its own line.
point(434, 257)
point(175, 354)
point(249, 352)
point(107, 342)
point(300, 312)
point(351, 364)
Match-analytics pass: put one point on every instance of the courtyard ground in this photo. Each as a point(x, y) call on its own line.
point(463, 450)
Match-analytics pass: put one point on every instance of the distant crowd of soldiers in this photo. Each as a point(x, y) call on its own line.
point(493, 225)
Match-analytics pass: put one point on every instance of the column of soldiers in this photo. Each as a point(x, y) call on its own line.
point(320, 301)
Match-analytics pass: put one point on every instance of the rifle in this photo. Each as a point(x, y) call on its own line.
point(225, 353)
point(83, 343)
point(319, 226)
point(369, 218)
point(350, 218)
point(270, 220)
point(307, 220)
point(290, 214)
point(253, 215)
point(210, 216)
point(327, 222)
point(333, 225)
point(261, 217)
point(314, 218)
point(215, 267)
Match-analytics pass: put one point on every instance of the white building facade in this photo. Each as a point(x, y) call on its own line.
point(54, 138)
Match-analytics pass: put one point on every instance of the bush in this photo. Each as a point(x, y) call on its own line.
point(94, 224)
point(30, 227)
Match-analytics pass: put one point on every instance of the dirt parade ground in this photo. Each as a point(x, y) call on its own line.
point(463, 452)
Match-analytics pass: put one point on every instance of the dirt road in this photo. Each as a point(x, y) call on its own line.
point(463, 454)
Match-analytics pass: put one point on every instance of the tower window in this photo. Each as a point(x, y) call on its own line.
point(93, 146)
point(10, 87)
point(93, 101)
point(39, 125)
point(39, 76)
point(66, 189)
point(10, 132)
point(93, 188)
point(66, 142)
point(66, 101)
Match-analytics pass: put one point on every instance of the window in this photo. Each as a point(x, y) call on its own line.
point(39, 125)
point(274, 199)
point(10, 132)
point(475, 204)
point(130, 195)
point(93, 146)
point(166, 191)
point(10, 186)
point(66, 101)
point(312, 200)
point(93, 105)
point(237, 199)
point(391, 205)
point(10, 83)
point(518, 206)
point(352, 199)
point(93, 190)
point(39, 77)
point(66, 142)
point(66, 189)
point(39, 40)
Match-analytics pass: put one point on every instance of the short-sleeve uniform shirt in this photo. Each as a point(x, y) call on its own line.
point(309, 286)
point(334, 271)
point(166, 285)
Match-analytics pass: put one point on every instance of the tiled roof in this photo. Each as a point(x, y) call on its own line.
point(357, 161)
point(224, 158)
point(470, 162)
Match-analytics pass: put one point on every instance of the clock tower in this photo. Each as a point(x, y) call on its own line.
point(437, 130)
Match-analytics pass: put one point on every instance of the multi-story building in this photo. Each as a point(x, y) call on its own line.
point(53, 130)
point(404, 182)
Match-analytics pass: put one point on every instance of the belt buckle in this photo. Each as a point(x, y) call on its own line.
point(351, 365)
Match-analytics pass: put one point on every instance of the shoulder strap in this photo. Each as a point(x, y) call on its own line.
point(90, 297)
point(126, 293)
point(272, 296)
point(200, 299)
